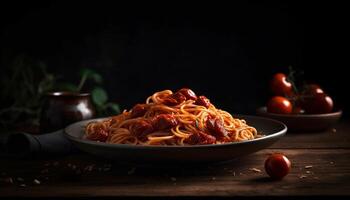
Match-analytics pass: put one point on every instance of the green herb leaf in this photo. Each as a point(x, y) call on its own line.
point(99, 96)
point(97, 78)
point(113, 107)
point(91, 74)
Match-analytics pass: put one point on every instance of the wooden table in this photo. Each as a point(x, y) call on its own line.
point(320, 168)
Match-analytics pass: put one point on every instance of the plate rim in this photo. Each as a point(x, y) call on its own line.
point(263, 110)
point(278, 134)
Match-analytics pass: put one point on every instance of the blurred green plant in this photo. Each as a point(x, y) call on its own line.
point(23, 85)
point(25, 82)
point(98, 93)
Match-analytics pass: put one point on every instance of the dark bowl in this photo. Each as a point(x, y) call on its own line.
point(60, 109)
point(271, 129)
point(304, 122)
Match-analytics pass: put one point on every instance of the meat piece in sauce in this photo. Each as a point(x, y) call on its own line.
point(98, 134)
point(141, 129)
point(188, 93)
point(203, 101)
point(180, 96)
point(200, 138)
point(169, 101)
point(174, 99)
point(138, 110)
point(216, 127)
point(164, 121)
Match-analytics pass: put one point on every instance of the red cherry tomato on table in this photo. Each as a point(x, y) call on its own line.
point(279, 105)
point(277, 166)
point(281, 86)
point(318, 104)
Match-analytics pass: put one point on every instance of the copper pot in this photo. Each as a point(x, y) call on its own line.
point(63, 108)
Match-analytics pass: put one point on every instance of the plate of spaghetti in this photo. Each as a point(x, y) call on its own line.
point(175, 126)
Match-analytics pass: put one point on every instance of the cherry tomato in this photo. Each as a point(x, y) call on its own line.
point(312, 89)
point(279, 105)
point(277, 166)
point(318, 104)
point(281, 86)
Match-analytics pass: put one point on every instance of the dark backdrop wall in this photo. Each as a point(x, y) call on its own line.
point(227, 52)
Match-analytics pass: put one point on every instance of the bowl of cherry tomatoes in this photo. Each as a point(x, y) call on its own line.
point(304, 108)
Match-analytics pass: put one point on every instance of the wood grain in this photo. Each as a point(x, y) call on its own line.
point(329, 175)
point(320, 167)
point(335, 137)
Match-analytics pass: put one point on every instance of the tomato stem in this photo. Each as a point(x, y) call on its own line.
point(291, 78)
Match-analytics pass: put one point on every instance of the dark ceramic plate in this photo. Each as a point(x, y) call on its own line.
point(271, 129)
point(304, 122)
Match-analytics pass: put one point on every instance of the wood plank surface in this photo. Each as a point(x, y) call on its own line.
point(329, 174)
point(335, 137)
point(320, 166)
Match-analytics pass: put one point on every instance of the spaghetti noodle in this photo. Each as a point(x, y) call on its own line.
point(168, 118)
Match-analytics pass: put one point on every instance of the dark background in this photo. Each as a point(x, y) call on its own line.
point(226, 52)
